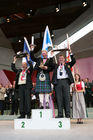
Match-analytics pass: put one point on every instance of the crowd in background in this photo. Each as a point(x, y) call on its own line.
point(9, 97)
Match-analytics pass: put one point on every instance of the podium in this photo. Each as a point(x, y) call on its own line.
point(42, 120)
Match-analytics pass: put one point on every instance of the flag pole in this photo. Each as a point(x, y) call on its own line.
point(68, 44)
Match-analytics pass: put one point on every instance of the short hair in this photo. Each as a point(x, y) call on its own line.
point(61, 55)
point(44, 51)
point(87, 79)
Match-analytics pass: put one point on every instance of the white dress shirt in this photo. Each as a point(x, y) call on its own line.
point(22, 78)
point(63, 75)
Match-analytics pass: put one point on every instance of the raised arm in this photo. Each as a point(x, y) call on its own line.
point(30, 64)
point(73, 60)
point(13, 65)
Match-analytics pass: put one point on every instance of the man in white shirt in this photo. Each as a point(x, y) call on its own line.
point(24, 86)
point(62, 78)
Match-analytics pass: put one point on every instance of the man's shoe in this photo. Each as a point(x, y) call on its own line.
point(59, 117)
point(47, 107)
point(21, 117)
point(41, 107)
point(28, 116)
point(67, 116)
point(12, 113)
point(81, 122)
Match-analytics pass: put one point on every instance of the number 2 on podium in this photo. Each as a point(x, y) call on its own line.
point(23, 125)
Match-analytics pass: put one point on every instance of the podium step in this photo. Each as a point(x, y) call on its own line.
point(32, 124)
point(39, 114)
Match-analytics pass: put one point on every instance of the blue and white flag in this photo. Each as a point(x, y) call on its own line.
point(26, 49)
point(47, 42)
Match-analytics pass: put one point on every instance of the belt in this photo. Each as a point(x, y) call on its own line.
point(63, 79)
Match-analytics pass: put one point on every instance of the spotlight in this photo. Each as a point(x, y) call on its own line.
point(57, 9)
point(52, 35)
point(30, 10)
point(19, 40)
point(84, 4)
point(28, 14)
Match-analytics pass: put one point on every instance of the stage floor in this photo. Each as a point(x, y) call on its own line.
point(77, 132)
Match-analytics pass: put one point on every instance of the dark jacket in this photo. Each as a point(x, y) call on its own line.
point(49, 63)
point(28, 78)
point(68, 70)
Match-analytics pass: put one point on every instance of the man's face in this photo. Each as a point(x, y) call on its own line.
point(44, 54)
point(61, 59)
point(86, 80)
point(24, 65)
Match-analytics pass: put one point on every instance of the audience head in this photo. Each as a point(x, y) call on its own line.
point(86, 80)
point(1, 85)
point(77, 77)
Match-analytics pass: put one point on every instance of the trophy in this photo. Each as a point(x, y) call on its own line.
point(21, 54)
point(41, 64)
point(32, 45)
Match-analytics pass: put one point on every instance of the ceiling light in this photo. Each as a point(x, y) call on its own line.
point(57, 9)
point(52, 35)
point(84, 4)
point(30, 10)
point(19, 40)
point(28, 14)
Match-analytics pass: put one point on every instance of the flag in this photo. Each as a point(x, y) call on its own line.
point(47, 42)
point(68, 59)
point(26, 49)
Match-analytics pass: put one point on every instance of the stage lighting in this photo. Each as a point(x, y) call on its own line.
point(19, 40)
point(57, 9)
point(52, 35)
point(84, 4)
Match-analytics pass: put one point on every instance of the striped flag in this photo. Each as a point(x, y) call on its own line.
point(47, 42)
point(68, 59)
point(26, 49)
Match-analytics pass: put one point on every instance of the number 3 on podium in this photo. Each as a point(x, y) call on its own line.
point(60, 124)
point(40, 114)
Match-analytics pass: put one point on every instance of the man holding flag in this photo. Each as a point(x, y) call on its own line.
point(62, 79)
point(24, 84)
point(43, 66)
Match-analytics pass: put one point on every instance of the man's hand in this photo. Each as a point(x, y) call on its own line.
point(15, 59)
point(45, 67)
point(52, 53)
point(70, 51)
point(32, 47)
point(28, 57)
point(50, 94)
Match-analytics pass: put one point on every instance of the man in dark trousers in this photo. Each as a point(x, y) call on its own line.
point(62, 78)
point(24, 85)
